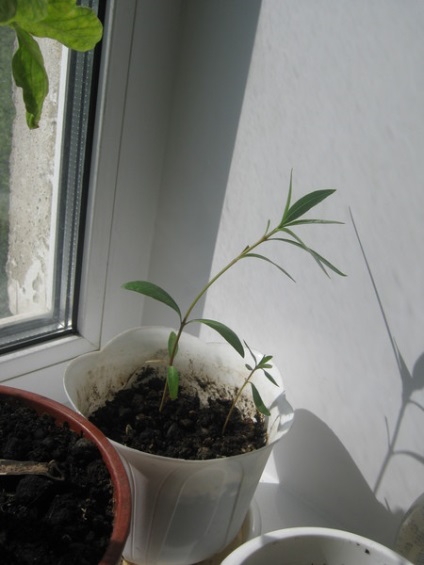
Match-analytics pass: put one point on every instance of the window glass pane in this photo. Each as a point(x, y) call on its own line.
point(7, 114)
point(43, 174)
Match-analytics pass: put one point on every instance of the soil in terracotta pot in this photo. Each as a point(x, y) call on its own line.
point(184, 429)
point(45, 521)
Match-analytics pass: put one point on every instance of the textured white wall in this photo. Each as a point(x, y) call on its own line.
point(335, 91)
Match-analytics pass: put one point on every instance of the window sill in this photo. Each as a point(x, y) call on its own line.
point(46, 360)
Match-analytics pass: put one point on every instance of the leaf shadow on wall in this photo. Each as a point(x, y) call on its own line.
point(316, 468)
point(212, 65)
point(411, 383)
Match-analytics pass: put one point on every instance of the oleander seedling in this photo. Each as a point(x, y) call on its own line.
point(292, 217)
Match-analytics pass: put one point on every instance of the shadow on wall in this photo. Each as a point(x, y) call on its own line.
point(410, 382)
point(211, 72)
point(318, 468)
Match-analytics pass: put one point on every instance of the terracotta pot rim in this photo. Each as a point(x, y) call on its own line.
point(122, 492)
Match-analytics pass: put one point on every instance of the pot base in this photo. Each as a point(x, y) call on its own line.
point(250, 529)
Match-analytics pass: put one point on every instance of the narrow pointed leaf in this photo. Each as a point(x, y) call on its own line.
point(265, 360)
point(226, 332)
point(260, 406)
point(318, 258)
point(173, 382)
point(323, 261)
point(258, 256)
point(271, 378)
point(250, 351)
point(171, 344)
point(311, 221)
point(303, 246)
point(153, 291)
point(305, 203)
point(288, 201)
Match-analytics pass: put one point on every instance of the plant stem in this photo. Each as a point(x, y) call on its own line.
point(171, 361)
point(233, 404)
point(185, 320)
point(241, 255)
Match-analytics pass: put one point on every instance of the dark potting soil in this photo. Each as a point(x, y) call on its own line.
point(44, 521)
point(183, 429)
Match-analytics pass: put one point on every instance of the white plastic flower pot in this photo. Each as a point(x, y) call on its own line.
point(303, 546)
point(183, 511)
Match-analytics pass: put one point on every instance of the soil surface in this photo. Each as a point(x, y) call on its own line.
point(184, 429)
point(45, 521)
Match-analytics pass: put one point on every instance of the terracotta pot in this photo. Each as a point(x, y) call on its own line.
point(121, 487)
point(183, 511)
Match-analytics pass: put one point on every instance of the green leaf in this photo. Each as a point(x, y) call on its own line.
point(153, 291)
point(271, 378)
point(225, 332)
point(288, 201)
point(171, 344)
point(311, 221)
point(30, 75)
point(250, 351)
point(304, 204)
point(321, 261)
point(173, 382)
point(7, 10)
point(77, 27)
point(258, 256)
point(264, 362)
point(260, 406)
point(30, 11)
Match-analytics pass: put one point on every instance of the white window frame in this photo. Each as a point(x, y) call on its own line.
point(113, 230)
point(164, 73)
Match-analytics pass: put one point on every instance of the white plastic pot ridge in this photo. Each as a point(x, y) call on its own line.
point(183, 511)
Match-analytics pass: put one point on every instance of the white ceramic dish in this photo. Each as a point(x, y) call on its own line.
point(313, 546)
